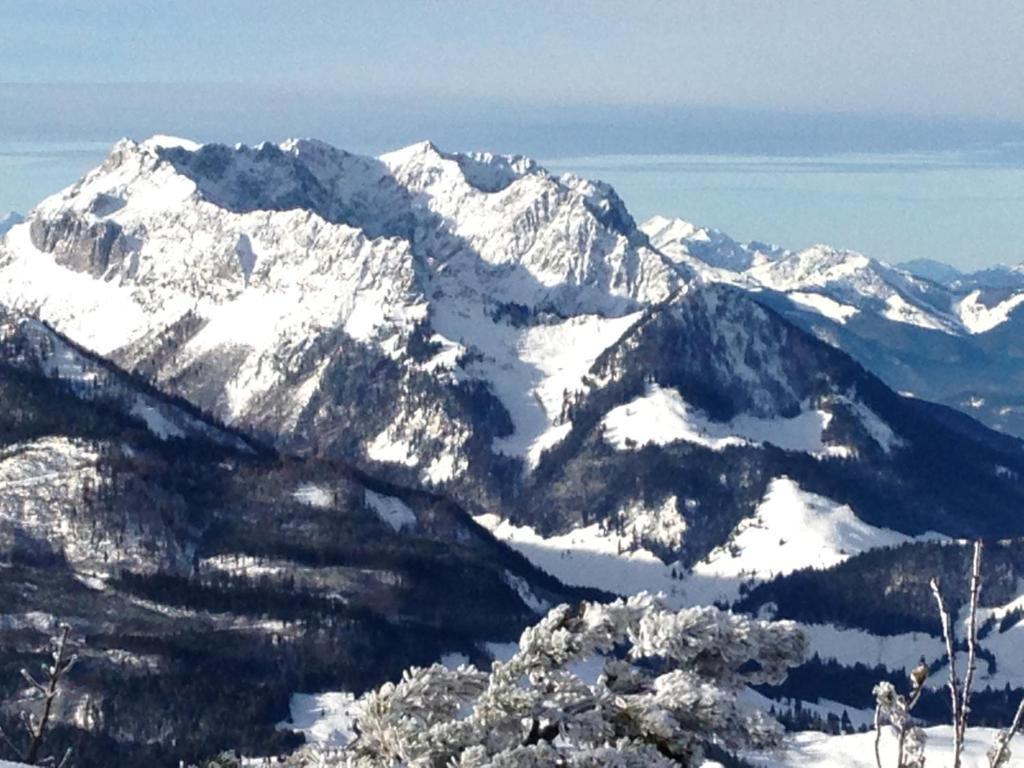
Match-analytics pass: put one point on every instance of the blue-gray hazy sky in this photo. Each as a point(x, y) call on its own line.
point(552, 79)
point(933, 57)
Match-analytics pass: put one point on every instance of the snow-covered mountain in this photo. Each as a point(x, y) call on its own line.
point(211, 576)
point(466, 322)
point(924, 327)
point(835, 283)
point(627, 408)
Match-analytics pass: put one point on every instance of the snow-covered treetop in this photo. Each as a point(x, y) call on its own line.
point(667, 688)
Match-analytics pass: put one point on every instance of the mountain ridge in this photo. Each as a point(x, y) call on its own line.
point(478, 329)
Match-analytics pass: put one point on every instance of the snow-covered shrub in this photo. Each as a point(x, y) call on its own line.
point(894, 709)
point(667, 688)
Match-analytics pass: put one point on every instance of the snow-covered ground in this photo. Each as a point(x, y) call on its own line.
point(323, 718)
point(818, 750)
point(591, 557)
point(791, 529)
point(978, 318)
point(824, 305)
point(390, 510)
point(661, 416)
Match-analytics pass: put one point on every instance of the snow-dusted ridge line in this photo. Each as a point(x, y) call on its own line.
point(91, 377)
point(274, 253)
point(837, 284)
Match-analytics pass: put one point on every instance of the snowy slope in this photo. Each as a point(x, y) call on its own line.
point(923, 327)
point(791, 529)
point(661, 416)
point(818, 750)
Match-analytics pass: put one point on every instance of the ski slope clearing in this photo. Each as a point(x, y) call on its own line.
point(590, 557)
point(823, 305)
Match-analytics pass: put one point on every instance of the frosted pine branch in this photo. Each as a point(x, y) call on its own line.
point(668, 686)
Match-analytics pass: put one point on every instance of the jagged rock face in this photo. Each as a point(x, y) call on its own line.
point(256, 281)
point(451, 319)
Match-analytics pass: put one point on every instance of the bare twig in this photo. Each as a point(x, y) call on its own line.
point(1000, 751)
point(49, 689)
point(954, 693)
point(972, 648)
point(878, 735)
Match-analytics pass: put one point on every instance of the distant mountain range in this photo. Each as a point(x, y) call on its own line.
point(924, 327)
point(295, 375)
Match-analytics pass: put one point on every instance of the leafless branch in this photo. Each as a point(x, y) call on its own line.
point(878, 735)
point(954, 693)
point(972, 650)
point(47, 689)
point(1000, 751)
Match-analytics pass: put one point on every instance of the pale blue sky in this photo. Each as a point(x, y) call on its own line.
point(555, 79)
point(945, 57)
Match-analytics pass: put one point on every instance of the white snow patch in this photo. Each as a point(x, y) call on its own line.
point(323, 718)
point(392, 511)
point(661, 416)
point(522, 588)
point(824, 305)
point(857, 646)
point(441, 469)
point(822, 707)
point(155, 421)
point(880, 432)
point(388, 448)
point(977, 318)
point(591, 557)
point(900, 310)
point(791, 529)
point(811, 749)
point(313, 495)
point(162, 141)
point(661, 523)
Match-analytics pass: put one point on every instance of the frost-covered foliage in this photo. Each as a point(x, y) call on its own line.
point(894, 709)
point(668, 687)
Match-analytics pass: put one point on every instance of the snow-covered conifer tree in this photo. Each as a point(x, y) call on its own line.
point(668, 687)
